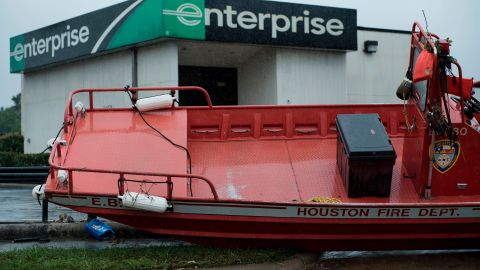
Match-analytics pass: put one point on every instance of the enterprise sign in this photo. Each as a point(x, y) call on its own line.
point(135, 22)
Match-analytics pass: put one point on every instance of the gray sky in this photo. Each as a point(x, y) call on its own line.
point(455, 19)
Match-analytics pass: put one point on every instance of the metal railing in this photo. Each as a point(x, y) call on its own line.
point(121, 176)
point(68, 114)
point(23, 175)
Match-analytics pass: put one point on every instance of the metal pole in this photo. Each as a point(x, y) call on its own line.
point(45, 211)
point(428, 188)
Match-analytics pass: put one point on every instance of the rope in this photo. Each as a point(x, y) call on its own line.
point(324, 200)
point(56, 137)
point(410, 128)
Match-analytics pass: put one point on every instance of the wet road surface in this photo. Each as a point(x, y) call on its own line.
point(399, 260)
point(17, 204)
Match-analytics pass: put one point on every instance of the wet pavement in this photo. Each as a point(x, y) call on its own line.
point(17, 204)
point(399, 260)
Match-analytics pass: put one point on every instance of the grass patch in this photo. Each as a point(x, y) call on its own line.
point(136, 258)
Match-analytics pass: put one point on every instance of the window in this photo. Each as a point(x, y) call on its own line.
point(421, 86)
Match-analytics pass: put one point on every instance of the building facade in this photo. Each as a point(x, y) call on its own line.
point(246, 53)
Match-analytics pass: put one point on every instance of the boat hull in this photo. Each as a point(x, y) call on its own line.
point(317, 233)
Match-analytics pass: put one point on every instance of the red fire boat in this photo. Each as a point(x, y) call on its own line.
point(318, 177)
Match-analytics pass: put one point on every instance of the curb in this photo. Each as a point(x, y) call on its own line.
point(76, 230)
point(298, 262)
point(71, 231)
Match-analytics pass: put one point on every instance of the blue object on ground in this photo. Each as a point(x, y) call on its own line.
point(99, 230)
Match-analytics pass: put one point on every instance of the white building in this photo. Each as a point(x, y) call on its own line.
point(242, 52)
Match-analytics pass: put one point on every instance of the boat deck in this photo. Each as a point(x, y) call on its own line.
point(290, 171)
point(282, 171)
point(251, 169)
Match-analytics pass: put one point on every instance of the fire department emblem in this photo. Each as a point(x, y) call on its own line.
point(445, 154)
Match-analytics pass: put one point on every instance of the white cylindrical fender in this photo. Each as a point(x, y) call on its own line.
point(62, 176)
point(38, 192)
point(79, 107)
point(144, 202)
point(155, 103)
point(52, 141)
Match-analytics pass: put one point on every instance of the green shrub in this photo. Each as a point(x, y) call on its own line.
point(11, 153)
point(11, 142)
point(9, 120)
point(11, 159)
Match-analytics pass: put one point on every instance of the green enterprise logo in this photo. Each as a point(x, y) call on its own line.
point(184, 19)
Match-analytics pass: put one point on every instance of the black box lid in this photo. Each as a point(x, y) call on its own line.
point(364, 136)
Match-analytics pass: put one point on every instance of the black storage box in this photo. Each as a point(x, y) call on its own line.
point(365, 155)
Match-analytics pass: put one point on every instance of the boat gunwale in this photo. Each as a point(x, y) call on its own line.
point(268, 204)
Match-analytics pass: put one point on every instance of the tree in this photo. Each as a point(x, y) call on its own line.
point(10, 117)
point(17, 102)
